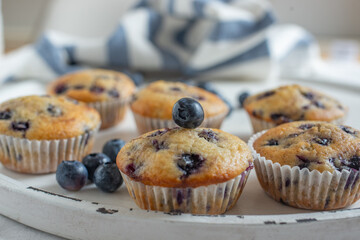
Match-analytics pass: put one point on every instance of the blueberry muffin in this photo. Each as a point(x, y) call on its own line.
point(38, 132)
point(107, 91)
point(199, 170)
point(292, 103)
point(152, 106)
point(308, 164)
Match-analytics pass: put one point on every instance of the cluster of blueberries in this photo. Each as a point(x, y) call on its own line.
point(99, 168)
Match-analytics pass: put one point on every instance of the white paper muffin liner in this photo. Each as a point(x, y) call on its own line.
point(111, 112)
point(211, 199)
point(43, 156)
point(146, 124)
point(260, 125)
point(303, 188)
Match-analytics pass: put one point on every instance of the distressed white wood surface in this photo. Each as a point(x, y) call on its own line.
point(255, 215)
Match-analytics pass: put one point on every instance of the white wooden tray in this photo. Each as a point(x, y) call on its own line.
point(38, 201)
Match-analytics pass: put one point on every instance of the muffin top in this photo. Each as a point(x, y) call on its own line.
point(46, 118)
point(181, 157)
point(93, 85)
point(158, 98)
point(314, 145)
point(293, 103)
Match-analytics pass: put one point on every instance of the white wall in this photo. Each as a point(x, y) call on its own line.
point(333, 18)
point(22, 19)
point(26, 19)
point(1, 32)
point(86, 17)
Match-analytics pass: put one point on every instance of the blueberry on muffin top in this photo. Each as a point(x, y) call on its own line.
point(180, 157)
point(46, 118)
point(93, 85)
point(314, 145)
point(293, 103)
point(158, 98)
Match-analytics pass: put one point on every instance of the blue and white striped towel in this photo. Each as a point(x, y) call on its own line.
point(226, 38)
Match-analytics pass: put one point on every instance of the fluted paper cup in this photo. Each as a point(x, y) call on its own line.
point(303, 188)
point(111, 112)
point(43, 156)
point(211, 199)
point(146, 124)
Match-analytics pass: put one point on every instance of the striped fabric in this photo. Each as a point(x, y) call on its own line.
point(225, 38)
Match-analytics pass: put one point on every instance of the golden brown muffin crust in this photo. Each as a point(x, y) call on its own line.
point(294, 103)
point(158, 98)
point(46, 118)
point(314, 145)
point(184, 157)
point(93, 85)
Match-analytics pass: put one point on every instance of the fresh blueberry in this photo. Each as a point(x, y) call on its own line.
point(137, 78)
point(107, 177)
point(242, 97)
point(112, 148)
point(71, 175)
point(92, 161)
point(188, 113)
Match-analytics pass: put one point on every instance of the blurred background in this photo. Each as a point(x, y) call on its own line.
point(334, 56)
point(25, 20)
